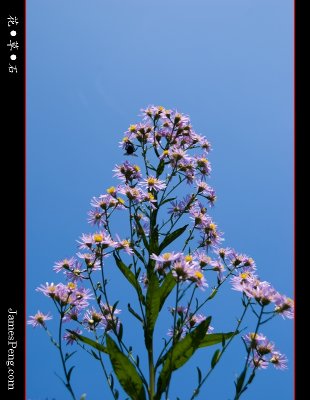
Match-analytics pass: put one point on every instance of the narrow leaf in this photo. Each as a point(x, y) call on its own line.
point(180, 353)
point(199, 375)
point(167, 200)
point(171, 237)
point(215, 358)
point(152, 305)
point(130, 277)
point(89, 341)
point(215, 338)
point(166, 288)
point(160, 168)
point(125, 372)
point(240, 381)
point(132, 311)
point(69, 373)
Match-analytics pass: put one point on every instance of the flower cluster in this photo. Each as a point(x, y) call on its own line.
point(153, 199)
point(186, 321)
point(262, 352)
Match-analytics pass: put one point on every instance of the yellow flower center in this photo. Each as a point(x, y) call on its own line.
point(125, 243)
point(198, 275)
point(188, 258)
point(111, 190)
point(212, 227)
point(165, 152)
point(244, 275)
point(132, 128)
point(151, 181)
point(136, 168)
point(120, 200)
point(98, 238)
point(150, 196)
point(125, 139)
point(71, 285)
point(166, 256)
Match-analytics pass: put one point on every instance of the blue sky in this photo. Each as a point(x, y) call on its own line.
point(91, 67)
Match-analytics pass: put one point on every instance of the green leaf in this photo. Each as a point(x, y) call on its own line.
point(240, 381)
point(199, 375)
point(68, 355)
point(166, 288)
point(69, 373)
point(125, 372)
point(167, 200)
point(89, 341)
point(152, 306)
point(129, 275)
point(215, 338)
point(160, 168)
point(134, 313)
point(180, 353)
point(95, 355)
point(215, 358)
point(171, 238)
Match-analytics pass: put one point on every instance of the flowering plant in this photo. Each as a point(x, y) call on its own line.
point(173, 158)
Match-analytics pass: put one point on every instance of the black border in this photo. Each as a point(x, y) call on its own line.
point(13, 195)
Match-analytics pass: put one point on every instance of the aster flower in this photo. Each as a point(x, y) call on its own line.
point(104, 202)
point(127, 172)
point(253, 339)
point(38, 319)
point(164, 261)
point(202, 258)
point(279, 360)
point(92, 319)
point(91, 260)
point(152, 183)
point(258, 362)
point(181, 270)
point(72, 315)
point(110, 319)
point(124, 245)
point(96, 217)
point(134, 194)
point(75, 274)
point(144, 280)
point(284, 306)
point(219, 268)
point(176, 208)
point(48, 290)
point(262, 292)
point(70, 338)
point(223, 252)
point(65, 264)
point(204, 167)
point(245, 280)
point(198, 277)
point(80, 297)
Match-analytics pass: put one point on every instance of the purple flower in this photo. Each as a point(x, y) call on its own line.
point(152, 183)
point(279, 360)
point(70, 338)
point(96, 217)
point(65, 264)
point(124, 245)
point(38, 319)
point(127, 172)
point(284, 306)
point(164, 261)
